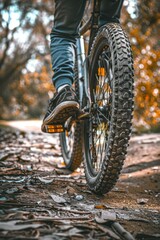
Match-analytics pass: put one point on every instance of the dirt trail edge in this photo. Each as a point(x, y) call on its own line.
point(41, 200)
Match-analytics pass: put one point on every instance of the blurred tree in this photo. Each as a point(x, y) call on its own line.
point(24, 56)
point(24, 29)
point(143, 27)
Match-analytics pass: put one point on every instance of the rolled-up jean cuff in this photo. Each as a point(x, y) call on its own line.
point(59, 82)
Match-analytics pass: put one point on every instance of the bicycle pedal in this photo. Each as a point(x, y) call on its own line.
point(55, 128)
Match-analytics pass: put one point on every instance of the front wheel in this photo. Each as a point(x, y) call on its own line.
point(107, 131)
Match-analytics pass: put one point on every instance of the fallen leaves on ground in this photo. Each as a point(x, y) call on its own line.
point(39, 200)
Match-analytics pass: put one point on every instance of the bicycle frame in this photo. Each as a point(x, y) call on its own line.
point(83, 58)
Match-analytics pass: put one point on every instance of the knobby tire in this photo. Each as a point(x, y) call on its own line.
point(112, 41)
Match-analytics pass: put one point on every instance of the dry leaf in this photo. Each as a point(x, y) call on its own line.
point(58, 199)
point(12, 226)
point(105, 216)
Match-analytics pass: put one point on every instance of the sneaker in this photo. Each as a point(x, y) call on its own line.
point(61, 107)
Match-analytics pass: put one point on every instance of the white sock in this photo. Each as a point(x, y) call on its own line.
point(61, 87)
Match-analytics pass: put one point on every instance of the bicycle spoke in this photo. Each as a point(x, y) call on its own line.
point(99, 121)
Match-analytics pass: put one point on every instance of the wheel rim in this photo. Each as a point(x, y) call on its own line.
point(68, 142)
point(99, 122)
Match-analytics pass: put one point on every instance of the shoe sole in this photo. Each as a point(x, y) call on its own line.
point(55, 121)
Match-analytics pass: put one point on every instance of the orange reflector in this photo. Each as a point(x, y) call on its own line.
point(101, 72)
point(57, 130)
point(54, 128)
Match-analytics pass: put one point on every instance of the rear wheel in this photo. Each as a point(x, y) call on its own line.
point(71, 140)
point(71, 147)
point(107, 131)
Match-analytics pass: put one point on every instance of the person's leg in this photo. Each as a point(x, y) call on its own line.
point(64, 104)
point(68, 14)
point(110, 11)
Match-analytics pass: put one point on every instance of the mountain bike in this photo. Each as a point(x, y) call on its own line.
point(99, 137)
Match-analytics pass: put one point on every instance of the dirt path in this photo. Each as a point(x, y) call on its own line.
point(40, 200)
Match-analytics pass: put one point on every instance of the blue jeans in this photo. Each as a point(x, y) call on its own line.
point(67, 18)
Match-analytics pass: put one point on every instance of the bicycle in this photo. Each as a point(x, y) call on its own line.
point(104, 85)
